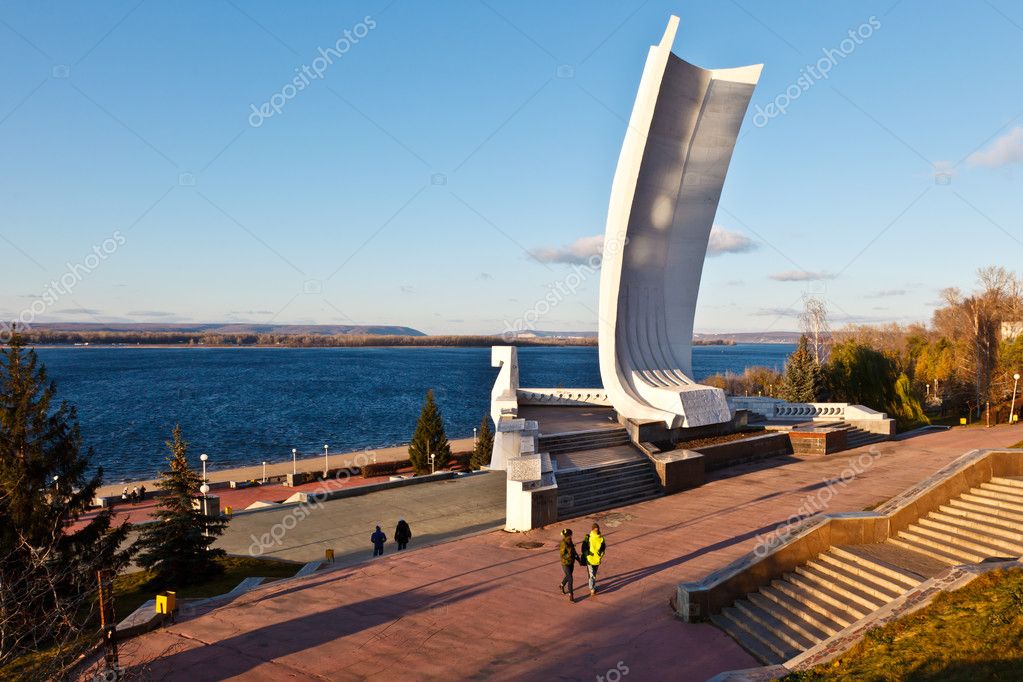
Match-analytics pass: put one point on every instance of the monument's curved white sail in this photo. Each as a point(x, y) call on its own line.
point(663, 200)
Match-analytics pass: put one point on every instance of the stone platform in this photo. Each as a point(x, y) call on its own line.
point(488, 606)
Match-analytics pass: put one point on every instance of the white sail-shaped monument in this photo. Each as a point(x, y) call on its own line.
point(672, 166)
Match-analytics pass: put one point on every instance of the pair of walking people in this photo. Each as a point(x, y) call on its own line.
point(402, 534)
point(593, 547)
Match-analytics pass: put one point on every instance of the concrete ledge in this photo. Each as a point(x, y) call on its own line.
point(355, 491)
point(696, 601)
point(818, 441)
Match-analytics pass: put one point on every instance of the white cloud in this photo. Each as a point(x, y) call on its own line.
point(577, 253)
point(886, 293)
point(728, 241)
point(1005, 150)
point(584, 249)
point(800, 276)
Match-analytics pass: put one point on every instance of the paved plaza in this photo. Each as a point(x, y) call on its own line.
point(488, 606)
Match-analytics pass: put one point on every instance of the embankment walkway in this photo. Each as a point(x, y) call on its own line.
point(488, 606)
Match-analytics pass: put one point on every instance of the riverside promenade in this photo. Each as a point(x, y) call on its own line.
point(255, 472)
point(488, 606)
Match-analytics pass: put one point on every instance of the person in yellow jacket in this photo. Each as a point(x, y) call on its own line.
point(593, 551)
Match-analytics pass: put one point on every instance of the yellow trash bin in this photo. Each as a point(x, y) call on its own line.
point(227, 512)
point(166, 603)
point(962, 421)
point(329, 556)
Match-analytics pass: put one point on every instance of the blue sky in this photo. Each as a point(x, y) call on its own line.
point(454, 155)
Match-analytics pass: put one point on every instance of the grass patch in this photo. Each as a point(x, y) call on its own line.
point(130, 593)
point(1017, 445)
point(696, 443)
point(975, 633)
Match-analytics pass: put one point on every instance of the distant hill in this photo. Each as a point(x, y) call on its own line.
point(231, 328)
point(539, 334)
point(750, 337)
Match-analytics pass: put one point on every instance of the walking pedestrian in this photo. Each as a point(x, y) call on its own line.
point(593, 552)
point(142, 493)
point(134, 494)
point(378, 539)
point(402, 534)
point(568, 558)
point(124, 495)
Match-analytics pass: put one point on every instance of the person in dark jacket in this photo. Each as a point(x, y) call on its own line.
point(568, 558)
point(378, 539)
point(402, 534)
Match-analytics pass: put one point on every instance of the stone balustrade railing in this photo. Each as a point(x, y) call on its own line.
point(563, 396)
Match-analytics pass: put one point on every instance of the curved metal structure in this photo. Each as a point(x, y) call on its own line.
point(663, 200)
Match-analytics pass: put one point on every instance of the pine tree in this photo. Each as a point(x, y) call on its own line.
point(803, 381)
point(179, 547)
point(483, 449)
point(429, 438)
point(47, 570)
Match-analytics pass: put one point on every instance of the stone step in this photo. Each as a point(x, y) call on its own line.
point(957, 554)
point(991, 510)
point(648, 480)
point(603, 483)
point(1009, 502)
point(926, 549)
point(850, 587)
point(1013, 492)
point(572, 478)
point(897, 578)
point(605, 472)
point(814, 620)
point(808, 598)
point(788, 636)
point(878, 585)
point(754, 646)
point(1009, 482)
point(986, 518)
point(781, 649)
point(602, 505)
point(794, 620)
point(824, 592)
point(958, 541)
point(999, 536)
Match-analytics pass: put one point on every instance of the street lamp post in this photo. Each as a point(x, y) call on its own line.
point(1015, 382)
point(264, 472)
point(326, 461)
point(205, 488)
point(294, 461)
point(474, 435)
point(433, 469)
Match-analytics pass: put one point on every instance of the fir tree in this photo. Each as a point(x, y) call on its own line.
point(483, 449)
point(429, 438)
point(179, 547)
point(803, 381)
point(47, 570)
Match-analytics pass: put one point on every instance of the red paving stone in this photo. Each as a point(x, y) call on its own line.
point(238, 499)
point(483, 608)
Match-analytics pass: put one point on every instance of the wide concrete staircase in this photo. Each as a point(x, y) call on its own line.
point(585, 491)
point(817, 600)
point(983, 523)
point(856, 437)
point(583, 440)
point(846, 583)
